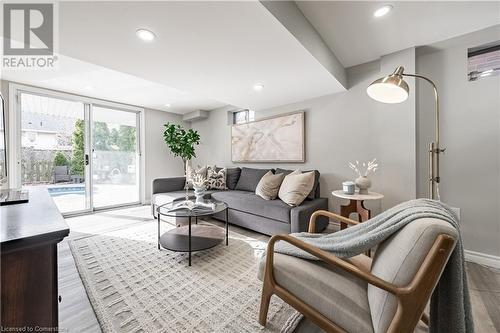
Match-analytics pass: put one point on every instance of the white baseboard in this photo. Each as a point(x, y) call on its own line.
point(482, 258)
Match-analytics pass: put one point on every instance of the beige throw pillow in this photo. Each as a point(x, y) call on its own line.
point(295, 187)
point(269, 185)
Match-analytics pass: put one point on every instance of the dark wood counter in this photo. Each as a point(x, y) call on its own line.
point(29, 234)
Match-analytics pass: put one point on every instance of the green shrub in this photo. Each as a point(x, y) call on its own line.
point(60, 159)
point(78, 141)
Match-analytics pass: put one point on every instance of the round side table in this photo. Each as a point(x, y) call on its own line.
point(356, 205)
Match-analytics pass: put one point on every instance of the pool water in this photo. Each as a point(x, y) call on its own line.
point(64, 190)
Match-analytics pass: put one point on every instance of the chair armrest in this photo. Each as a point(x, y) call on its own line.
point(163, 185)
point(329, 259)
point(316, 214)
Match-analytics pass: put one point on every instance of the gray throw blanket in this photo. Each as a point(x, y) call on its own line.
point(450, 304)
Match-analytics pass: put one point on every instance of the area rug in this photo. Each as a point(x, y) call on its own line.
point(134, 287)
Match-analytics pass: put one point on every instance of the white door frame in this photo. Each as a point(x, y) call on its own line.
point(14, 137)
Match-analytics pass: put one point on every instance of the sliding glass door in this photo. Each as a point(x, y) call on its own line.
point(115, 158)
point(53, 149)
point(84, 153)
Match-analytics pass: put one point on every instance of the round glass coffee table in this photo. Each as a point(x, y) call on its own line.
point(192, 237)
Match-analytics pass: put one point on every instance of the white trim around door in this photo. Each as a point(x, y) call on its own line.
point(14, 137)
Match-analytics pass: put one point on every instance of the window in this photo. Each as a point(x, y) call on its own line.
point(483, 61)
point(243, 116)
point(84, 151)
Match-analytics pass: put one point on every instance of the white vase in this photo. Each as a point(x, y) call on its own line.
point(363, 183)
point(199, 192)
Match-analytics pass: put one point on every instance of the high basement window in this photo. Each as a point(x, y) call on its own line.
point(483, 61)
point(243, 116)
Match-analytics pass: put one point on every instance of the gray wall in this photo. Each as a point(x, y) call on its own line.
point(470, 130)
point(340, 128)
point(159, 162)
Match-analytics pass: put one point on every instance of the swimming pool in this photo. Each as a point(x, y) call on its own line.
point(66, 189)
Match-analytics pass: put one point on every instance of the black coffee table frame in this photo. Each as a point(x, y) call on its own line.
point(174, 240)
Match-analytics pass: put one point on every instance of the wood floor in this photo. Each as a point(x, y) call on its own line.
point(76, 313)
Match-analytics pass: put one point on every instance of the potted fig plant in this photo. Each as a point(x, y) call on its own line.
point(182, 143)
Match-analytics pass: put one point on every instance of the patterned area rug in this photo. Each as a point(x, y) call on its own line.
point(134, 287)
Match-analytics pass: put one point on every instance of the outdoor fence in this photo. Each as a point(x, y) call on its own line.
point(37, 166)
point(114, 166)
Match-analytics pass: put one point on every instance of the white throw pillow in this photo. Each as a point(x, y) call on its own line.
point(269, 185)
point(295, 187)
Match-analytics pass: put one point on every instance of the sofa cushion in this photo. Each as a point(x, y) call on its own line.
point(312, 194)
point(216, 180)
point(269, 185)
point(336, 294)
point(249, 202)
point(397, 260)
point(232, 176)
point(249, 178)
point(295, 187)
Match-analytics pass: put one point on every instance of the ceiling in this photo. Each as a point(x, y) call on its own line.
point(355, 36)
point(83, 78)
point(205, 48)
point(210, 54)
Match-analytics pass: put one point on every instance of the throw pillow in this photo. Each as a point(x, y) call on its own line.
point(249, 179)
point(269, 185)
point(295, 187)
point(232, 176)
point(311, 195)
point(216, 180)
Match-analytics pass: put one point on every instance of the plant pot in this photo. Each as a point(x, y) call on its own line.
point(199, 193)
point(363, 183)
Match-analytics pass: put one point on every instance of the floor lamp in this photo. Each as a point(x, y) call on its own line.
point(394, 89)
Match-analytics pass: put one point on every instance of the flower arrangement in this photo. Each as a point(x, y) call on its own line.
point(367, 167)
point(198, 180)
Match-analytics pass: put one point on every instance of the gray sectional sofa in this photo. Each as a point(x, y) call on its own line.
point(246, 209)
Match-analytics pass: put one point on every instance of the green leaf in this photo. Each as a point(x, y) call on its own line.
point(180, 141)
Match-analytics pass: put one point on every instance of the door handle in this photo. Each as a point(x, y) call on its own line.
point(86, 159)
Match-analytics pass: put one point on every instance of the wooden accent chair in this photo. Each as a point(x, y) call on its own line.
point(386, 294)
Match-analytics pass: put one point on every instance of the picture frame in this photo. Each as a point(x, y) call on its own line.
point(275, 139)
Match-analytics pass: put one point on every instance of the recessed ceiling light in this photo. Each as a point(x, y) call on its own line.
point(384, 10)
point(145, 35)
point(167, 105)
point(88, 87)
point(258, 87)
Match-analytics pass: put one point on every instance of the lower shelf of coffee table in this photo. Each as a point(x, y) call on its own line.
point(202, 237)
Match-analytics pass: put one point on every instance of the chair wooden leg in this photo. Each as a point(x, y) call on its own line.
point(267, 292)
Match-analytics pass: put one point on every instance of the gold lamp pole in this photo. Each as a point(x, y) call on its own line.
point(394, 89)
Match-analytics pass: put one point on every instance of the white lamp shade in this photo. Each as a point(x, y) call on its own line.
point(390, 89)
point(387, 93)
